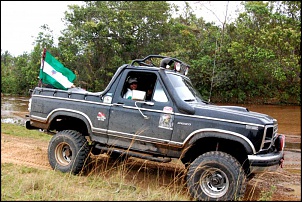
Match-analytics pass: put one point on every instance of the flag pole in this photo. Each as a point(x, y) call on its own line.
point(42, 65)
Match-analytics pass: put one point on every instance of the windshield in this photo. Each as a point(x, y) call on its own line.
point(184, 88)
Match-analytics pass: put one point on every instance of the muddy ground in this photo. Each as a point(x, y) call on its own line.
point(287, 180)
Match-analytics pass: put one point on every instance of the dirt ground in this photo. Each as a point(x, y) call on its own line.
point(287, 180)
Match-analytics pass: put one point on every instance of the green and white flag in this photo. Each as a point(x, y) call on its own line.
point(54, 73)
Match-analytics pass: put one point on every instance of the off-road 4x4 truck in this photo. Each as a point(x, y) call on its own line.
point(220, 146)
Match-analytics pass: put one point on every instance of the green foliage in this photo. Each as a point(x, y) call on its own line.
point(257, 56)
point(263, 50)
point(267, 195)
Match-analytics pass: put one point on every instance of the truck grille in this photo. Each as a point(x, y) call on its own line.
point(269, 134)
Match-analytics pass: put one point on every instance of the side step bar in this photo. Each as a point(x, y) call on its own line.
point(133, 154)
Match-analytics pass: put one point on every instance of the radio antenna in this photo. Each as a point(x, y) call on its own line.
point(212, 81)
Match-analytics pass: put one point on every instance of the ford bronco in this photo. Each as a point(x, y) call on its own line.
point(220, 146)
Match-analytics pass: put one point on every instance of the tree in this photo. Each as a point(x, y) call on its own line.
point(264, 52)
point(104, 34)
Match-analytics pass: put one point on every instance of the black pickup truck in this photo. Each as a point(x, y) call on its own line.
point(220, 146)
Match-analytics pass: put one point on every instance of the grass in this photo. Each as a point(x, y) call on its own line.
point(25, 183)
point(267, 195)
point(102, 180)
point(21, 131)
point(30, 184)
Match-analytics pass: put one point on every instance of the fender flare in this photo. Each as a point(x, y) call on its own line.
point(220, 134)
point(71, 113)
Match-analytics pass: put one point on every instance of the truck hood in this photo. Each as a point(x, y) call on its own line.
point(235, 113)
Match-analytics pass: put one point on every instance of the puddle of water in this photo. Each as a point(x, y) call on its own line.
point(293, 189)
point(297, 190)
point(12, 108)
point(14, 103)
point(292, 170)
point(18, 121)
point(7, 120)
point(292, 145)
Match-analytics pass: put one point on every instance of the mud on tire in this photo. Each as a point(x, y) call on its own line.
point(216, 176)
point(68, 151)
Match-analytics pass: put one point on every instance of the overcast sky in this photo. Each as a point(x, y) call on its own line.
point(21, 20)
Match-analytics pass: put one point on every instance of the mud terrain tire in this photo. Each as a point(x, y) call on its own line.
point(216, 176)
point(68, 151)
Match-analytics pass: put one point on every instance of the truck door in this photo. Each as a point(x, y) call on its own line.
point(142, 125)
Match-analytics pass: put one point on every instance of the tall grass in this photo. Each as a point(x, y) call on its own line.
point(102, 179)
point(133, 180)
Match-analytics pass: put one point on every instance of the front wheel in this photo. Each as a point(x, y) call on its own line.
point(216, 176)
point(67, 151)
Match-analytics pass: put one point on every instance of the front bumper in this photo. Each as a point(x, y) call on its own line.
point(268, 162)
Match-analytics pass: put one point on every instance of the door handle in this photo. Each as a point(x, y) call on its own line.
point(118, 104)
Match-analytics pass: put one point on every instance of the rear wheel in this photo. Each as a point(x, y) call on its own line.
point(67, 151)
point(216, 176)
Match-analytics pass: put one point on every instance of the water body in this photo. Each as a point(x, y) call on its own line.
point(288, 117)
point(14, 109)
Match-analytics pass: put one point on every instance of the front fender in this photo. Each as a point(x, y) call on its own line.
point(220, 134)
